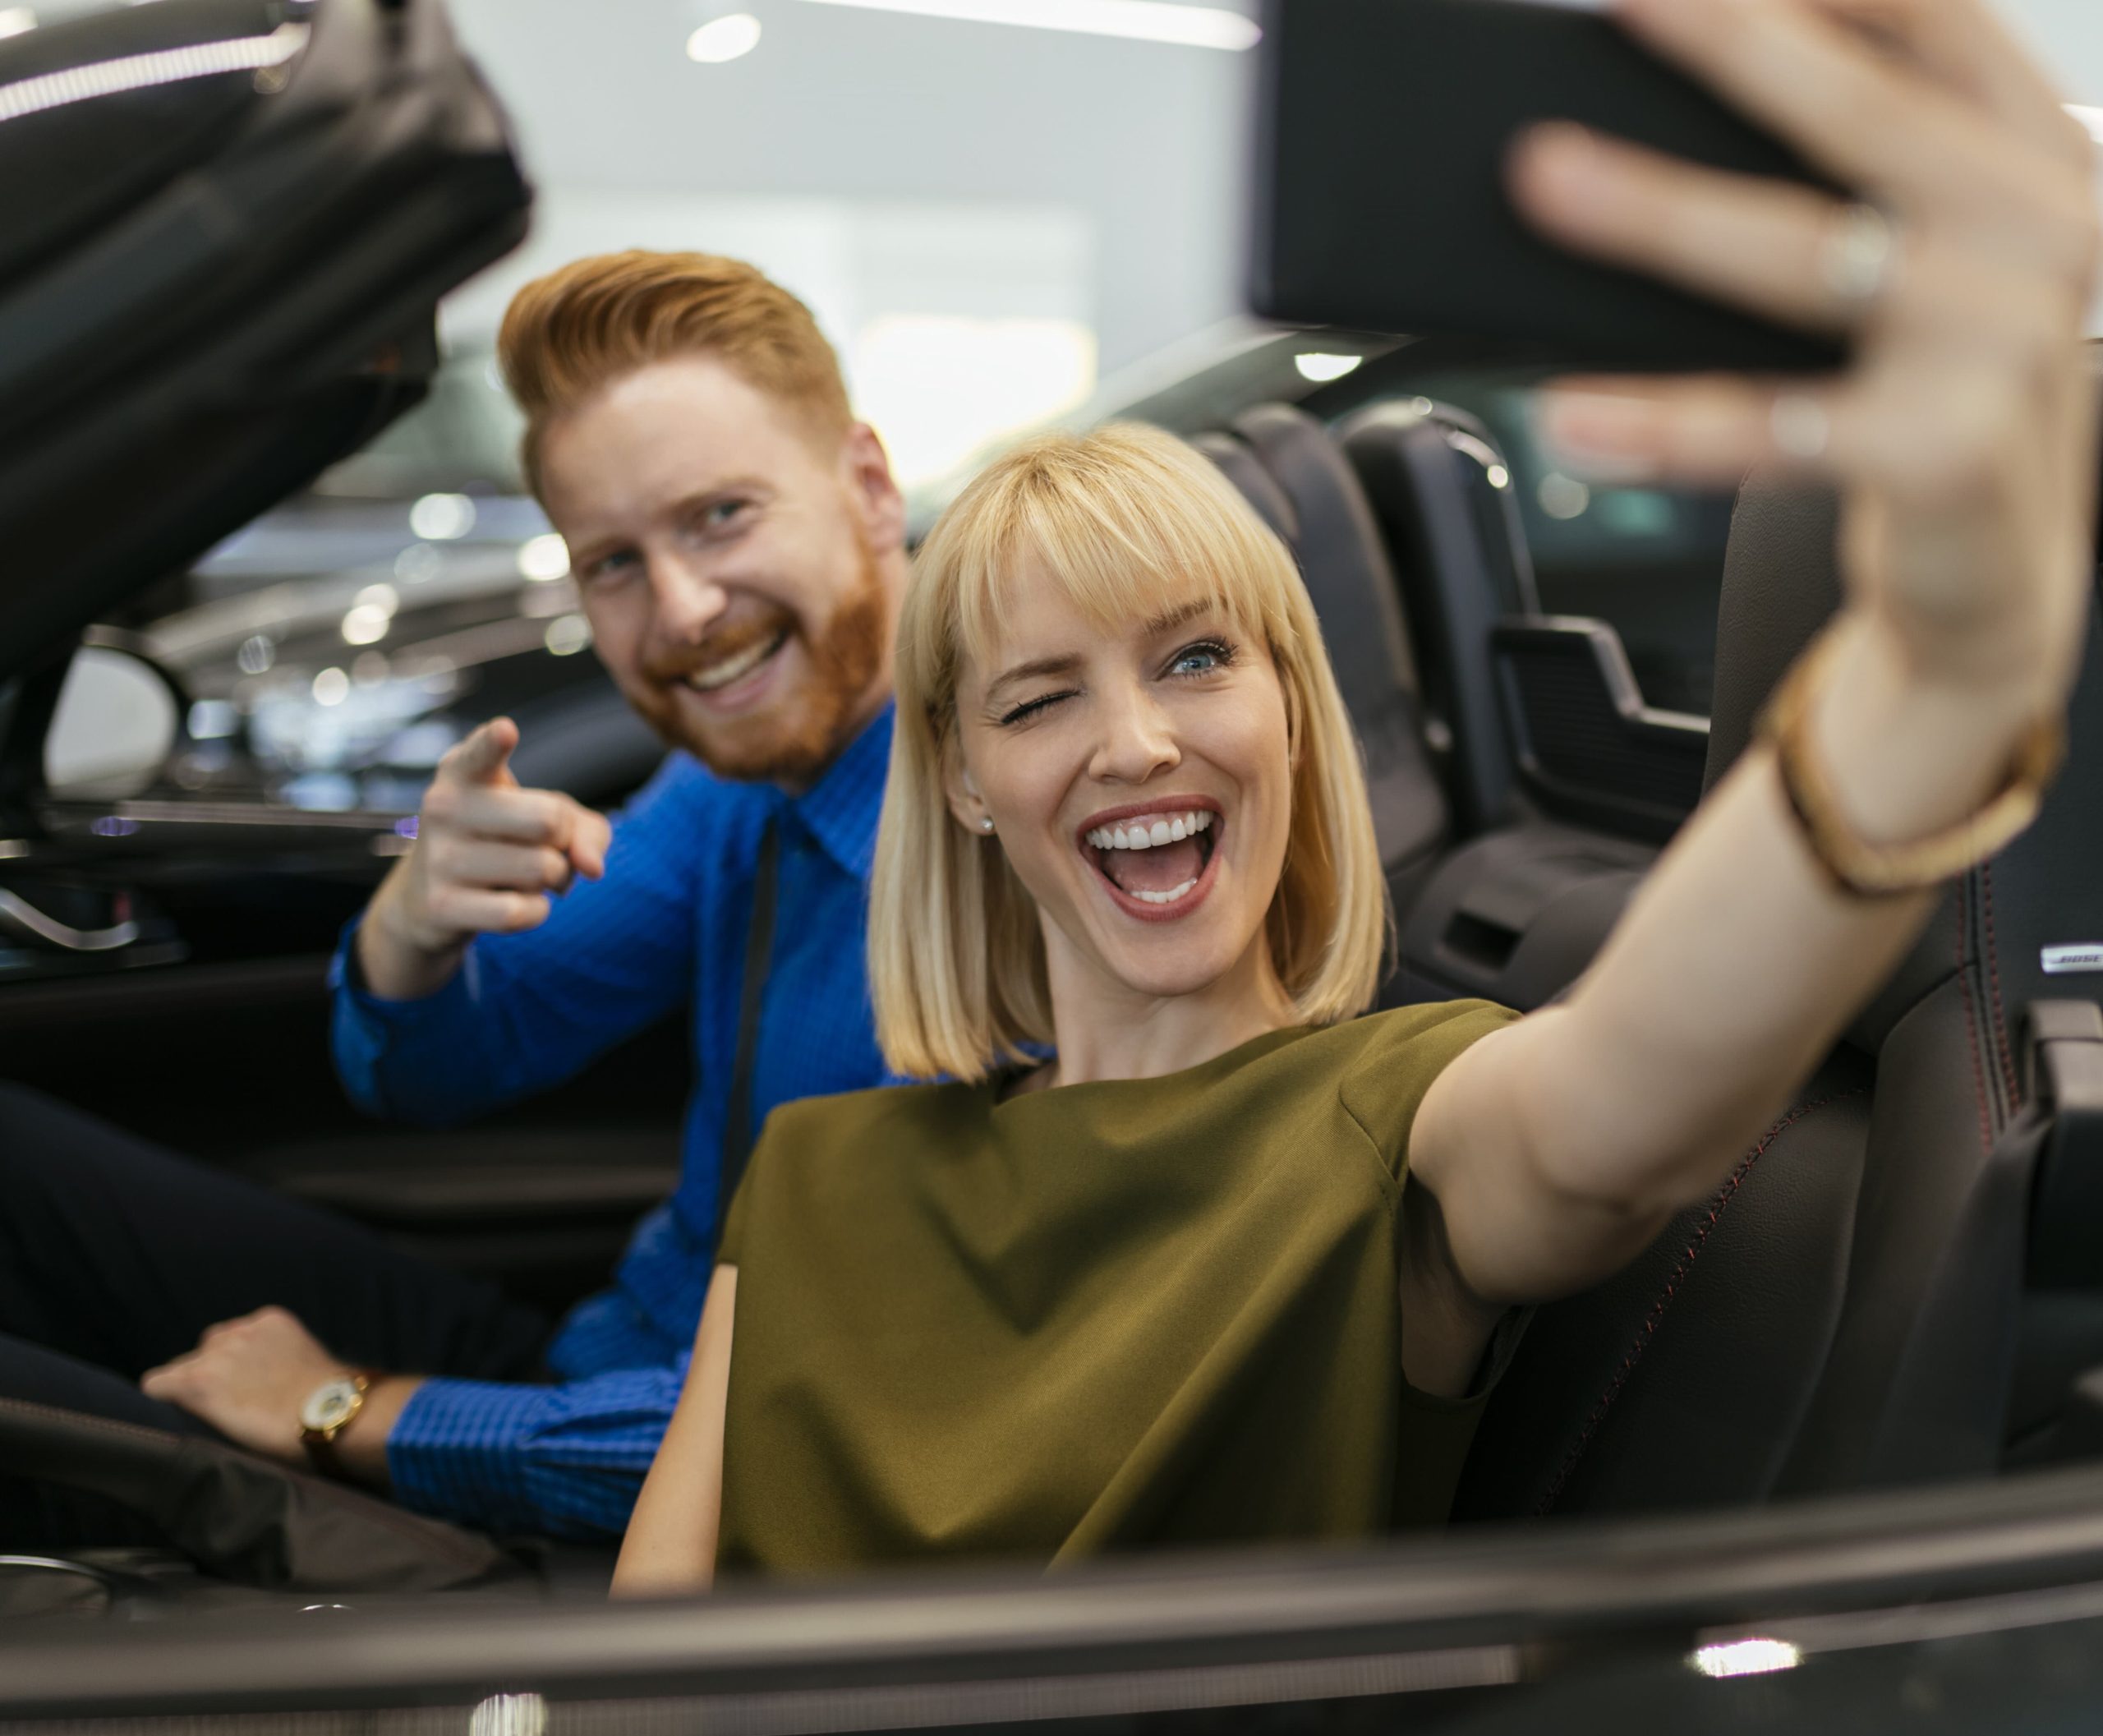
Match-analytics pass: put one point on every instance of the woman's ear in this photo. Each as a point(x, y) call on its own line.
point(961, 788)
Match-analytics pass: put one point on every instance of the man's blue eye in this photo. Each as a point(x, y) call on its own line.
point(607, 566)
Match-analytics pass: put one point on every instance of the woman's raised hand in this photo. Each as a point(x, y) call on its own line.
point(1962, 439)
point(1962, 436)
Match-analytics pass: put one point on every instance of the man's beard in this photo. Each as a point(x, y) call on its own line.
point(803, 732)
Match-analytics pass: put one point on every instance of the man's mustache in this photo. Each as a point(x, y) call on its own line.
point(729, 638)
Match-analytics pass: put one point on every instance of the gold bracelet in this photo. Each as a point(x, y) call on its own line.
point(1868, 870)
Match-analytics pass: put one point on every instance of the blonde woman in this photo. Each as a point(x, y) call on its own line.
point(1232, 1264)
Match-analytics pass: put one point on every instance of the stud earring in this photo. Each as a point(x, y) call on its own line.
point(986, 824)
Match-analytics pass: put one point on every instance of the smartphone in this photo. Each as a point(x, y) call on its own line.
point(1382, 134)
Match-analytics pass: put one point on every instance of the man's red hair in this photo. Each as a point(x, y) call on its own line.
point(577, 330)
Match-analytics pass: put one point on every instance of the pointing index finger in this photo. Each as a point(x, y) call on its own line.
point(483, 757)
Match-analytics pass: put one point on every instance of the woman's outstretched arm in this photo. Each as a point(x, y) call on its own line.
point(671, 1546)
point(1963, 441)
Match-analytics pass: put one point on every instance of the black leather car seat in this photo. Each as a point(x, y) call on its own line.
point(1563, 782)
point(1441, 491)
point(1285, 464)
point(1847, 1310)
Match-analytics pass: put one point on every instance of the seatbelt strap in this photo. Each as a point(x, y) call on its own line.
point(739, 1133)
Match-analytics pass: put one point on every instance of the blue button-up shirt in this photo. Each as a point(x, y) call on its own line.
point(525, 1011)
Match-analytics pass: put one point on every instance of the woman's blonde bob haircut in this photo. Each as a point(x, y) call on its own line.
point(1129, 521)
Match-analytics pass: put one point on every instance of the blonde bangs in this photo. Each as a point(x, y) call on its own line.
point(1092, 519)
point(1129, 523)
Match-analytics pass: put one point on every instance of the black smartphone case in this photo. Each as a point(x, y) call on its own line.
point(1382, 130)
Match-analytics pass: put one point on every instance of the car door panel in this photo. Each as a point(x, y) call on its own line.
point(226, 1061)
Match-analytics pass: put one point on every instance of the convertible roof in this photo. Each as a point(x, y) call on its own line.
point(229, 222)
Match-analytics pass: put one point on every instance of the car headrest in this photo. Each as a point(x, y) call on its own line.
point(1341, 551)
point(1440, 489)
point(1781, 584)
point(1284, 464)
point(2034, 915)
point(1431, 451)
point(1242, 467)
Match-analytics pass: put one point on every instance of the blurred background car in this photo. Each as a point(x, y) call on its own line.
point(333, 650)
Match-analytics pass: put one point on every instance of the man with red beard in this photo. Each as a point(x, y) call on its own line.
point(738, 544)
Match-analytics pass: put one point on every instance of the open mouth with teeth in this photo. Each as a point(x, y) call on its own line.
point(1157, 864)
point(735, 667)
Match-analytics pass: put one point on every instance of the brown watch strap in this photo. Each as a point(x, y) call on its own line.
point(321, 1453)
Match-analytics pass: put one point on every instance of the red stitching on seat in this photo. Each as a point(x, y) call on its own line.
point(1993, 976)
point(1651, 1320)
point(1971, 1033)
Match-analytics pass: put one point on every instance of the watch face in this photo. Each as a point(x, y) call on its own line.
point(329, 1406)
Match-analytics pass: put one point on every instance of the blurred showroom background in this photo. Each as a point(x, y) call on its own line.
point(996, 223)
point(985, 218)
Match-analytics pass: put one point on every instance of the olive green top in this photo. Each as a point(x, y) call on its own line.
point(1136, 1312)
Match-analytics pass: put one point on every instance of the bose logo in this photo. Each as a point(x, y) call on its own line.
point(2065, 961)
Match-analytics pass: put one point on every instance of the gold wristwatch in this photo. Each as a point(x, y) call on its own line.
point(328, 1411)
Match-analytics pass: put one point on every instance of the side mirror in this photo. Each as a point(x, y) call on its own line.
point(113, 728)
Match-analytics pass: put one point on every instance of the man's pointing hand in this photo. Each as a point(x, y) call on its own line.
point(488, 854)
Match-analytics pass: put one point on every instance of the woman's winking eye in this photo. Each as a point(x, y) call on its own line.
point(1199, 658)
point(1030, 708)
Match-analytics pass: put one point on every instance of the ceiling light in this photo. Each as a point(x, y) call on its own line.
point(1322, 368)
point(567, 635)
point(1142, 21)
point(724, 39)
point(1746, 1657)
point(543, 558)
point(331, 687)
point(442, 518)
point(365, 625)
point(14, 19)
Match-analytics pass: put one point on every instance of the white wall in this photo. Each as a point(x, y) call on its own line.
point(1141, 142)
point(844, 125)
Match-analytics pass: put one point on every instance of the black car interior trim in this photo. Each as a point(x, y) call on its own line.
point(1566, 1594)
